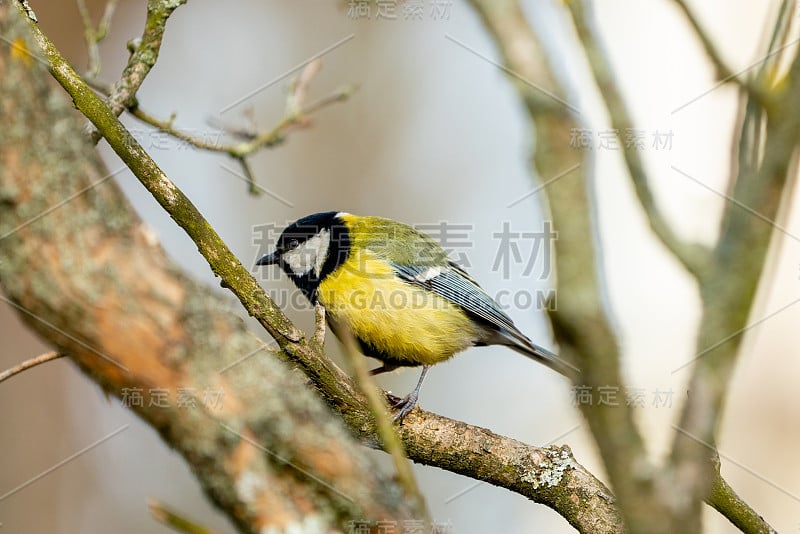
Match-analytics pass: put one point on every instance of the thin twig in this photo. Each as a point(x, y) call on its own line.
point(167, 126)
point(296, 115)
point(143, 56)
point(298, 119)
point(27, 364)
point(728, 503)
point(692, 256)
point(252, 185)
point(265, 139)
point(386, 431)
point(778, 41)
point(724, 72)
point(298, 89)
point(94, 35)
point(169, 517)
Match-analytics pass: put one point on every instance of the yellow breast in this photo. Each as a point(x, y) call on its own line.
point(407, 323)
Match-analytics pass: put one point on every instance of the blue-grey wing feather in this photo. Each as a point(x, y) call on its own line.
point(454, 284)
point(458, 287)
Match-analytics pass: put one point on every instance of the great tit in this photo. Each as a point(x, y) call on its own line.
point(396, 291)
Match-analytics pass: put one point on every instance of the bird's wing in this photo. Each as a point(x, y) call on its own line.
point(419, 260)
point(455, 285)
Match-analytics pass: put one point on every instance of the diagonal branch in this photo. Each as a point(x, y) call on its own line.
point(27, 364)
point(728, 503)
point(385, 430)
point(692, 256)
point(724, 73)
point(172, 519)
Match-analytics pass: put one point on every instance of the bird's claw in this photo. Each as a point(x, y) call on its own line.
point(403, 406)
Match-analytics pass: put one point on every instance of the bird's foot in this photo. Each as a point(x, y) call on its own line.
point(403, 406)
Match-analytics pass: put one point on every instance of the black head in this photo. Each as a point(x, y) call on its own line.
point(310, 249)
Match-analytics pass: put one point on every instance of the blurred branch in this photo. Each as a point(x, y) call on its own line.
point(144, 54)
point(728, 277)
point(384, 428)
point(168, 517)
point(580, 325)
point(766, 161)
point(724, 73)
point(172, 331)
point(692, 256)
point(95, 34)
point(27, 364)
point(778, 43)
point(297, 115)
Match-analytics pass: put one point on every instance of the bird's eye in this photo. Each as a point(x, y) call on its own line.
point(293, 243)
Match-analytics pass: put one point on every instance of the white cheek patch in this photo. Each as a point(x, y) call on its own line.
point(310, 255)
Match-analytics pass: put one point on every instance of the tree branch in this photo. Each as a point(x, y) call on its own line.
point(297, 115)
point(692, 256)
point(724, 73)
point(580, 323)
point(728, 288)
point(143, 57)
point(728, 503)
point(166, 516)
point(95, 34)
point(27, 364)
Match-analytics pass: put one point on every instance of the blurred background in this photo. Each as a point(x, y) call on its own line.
point(435, 134)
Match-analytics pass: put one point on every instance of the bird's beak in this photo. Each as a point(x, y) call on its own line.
point(269, 259)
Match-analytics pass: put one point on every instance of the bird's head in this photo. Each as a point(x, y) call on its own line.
point(310, 248)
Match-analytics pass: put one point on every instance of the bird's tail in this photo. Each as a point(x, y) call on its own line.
point(520, 343)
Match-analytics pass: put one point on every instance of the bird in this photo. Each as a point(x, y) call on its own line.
point(395, 290)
